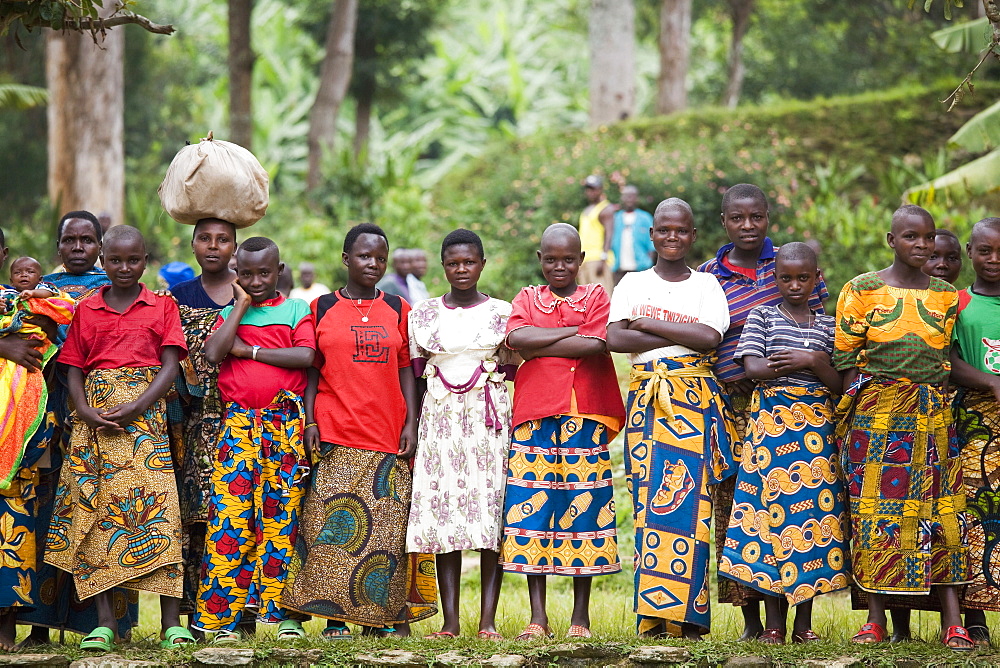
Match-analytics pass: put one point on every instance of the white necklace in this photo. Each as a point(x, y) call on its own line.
point(364, 316)
point(808, 327)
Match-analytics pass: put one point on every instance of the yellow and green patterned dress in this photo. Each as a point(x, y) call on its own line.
point(897, 441)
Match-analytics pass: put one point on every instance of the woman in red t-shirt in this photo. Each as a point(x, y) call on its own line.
point(361, 416)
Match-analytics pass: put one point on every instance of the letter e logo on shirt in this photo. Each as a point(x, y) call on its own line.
point(368, 344)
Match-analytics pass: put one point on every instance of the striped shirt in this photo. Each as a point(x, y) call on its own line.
point(768, 330)
point(743, 296)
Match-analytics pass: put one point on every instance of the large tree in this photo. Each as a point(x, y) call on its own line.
point(740, 11)
point(334, 78)
point(241, 59)
point(612, 60)
point(674, 42)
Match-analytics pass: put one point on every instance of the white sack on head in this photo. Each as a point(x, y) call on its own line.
point(215, 179)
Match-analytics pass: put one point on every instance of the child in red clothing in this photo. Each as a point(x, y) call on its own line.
point(559, 513)
point(116, 520)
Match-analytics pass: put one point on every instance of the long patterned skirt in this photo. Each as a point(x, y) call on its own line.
point(977, 420)
point(350, 563)
point(257, 489)
point(199, 414)
point(116, 519)
point(670, 465)
point(738, 409)
point(788, 535)
point(559, 510)
point(904, 479)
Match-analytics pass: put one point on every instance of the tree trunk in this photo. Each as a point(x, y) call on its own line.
point(612, 61)
point(675, 48)
point(334, 78)
point(362, 118)
point(86, 119)
point(241, 59)
point(740, 11)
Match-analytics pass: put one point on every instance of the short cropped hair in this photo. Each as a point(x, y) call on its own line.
point(213, 220)
point(942, 232)
point(462, 236)
point(673, 204)
point(744, 191)
point(256, 244)
point(82, 215)
point(125, 233)
point(912, 210)
point(358, 230)
point(796, 251)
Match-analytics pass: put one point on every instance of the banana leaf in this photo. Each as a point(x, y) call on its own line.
point(21, 96)
point(973, 179)
point(969, 37)
point(980, 133)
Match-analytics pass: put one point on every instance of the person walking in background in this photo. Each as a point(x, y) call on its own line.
point(678, 439)
point(456, 344)
point(789, 473)
point(745, 269)
point(396, 283)
point(559, 511)
point(116, 520)
point(596, 226)
point(631, 245)
point(310, 289)
point(895, 433)
point(415, 280)
point(263, 343)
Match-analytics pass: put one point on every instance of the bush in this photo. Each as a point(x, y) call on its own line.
point(833, 169)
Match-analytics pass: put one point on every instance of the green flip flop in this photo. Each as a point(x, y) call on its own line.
point(100, 639)
point(290, 630)
point(176, 636)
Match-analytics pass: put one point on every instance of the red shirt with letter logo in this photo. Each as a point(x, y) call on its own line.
point(360, 348)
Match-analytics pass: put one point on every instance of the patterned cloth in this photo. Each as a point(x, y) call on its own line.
point(17, 541)
point(200, 420)
point(24, 395)
point(257, 490)
point(673, 452)
point(559, 511)
point(738, 404)
point(788, 531)
point(895, 333)
point(464, 431)
point(350, 563)
point(977, 421)
point(116, 519)
point(904, 478)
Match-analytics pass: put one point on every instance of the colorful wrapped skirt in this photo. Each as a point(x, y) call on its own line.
point(788, 533)
point(903, 473)
point(678, 442)
point(559, 509)
point(117, 519)
point(350, 563)
point(977, 421)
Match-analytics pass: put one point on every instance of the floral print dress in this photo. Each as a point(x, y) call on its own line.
point(464, 433)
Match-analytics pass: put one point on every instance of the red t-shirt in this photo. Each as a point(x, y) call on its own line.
point(276, 323)
point(750, 273)
point(545, 386)
point(360, 403)
point(102, 338)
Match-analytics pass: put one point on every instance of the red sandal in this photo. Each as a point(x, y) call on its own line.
point(958, 633)
point(808, 635)
point(876, 631)
point(772, 637)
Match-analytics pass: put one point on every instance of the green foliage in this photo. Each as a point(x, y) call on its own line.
point(804, 155)
point(967, 37)
point(21, 96)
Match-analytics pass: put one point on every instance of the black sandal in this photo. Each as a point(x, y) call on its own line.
point(980, 635)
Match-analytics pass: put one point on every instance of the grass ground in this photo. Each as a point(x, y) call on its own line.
point(612, 619)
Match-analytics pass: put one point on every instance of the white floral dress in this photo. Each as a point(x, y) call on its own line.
point(464, 434)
